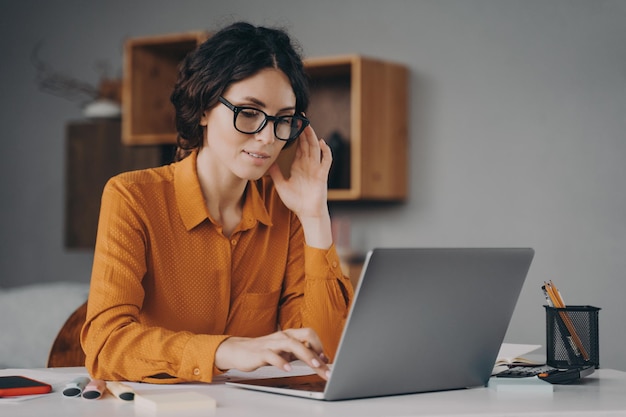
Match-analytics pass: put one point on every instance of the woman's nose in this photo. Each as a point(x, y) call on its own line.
point(266, 134)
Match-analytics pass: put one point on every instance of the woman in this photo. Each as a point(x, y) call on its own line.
point(199, 263)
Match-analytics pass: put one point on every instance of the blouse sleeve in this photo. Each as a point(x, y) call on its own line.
point(117, 345)
point(322, 300)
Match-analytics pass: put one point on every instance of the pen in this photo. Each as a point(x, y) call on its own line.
point(75, 387)
point(548, 299)
point(94, 389)
point(121, 391)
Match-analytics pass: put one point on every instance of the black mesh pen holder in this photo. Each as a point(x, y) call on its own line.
point(572, 336)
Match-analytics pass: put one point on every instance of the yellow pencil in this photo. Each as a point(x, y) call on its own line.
point(557, 300)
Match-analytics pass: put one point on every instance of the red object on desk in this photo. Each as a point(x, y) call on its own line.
point(14, 385)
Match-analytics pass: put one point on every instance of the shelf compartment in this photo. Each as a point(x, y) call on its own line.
point(150, 72)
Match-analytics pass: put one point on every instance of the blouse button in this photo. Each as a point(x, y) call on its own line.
point(233, 242)
point(196, 371)
point(334, 264)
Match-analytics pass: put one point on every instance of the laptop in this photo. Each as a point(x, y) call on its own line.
point(422, 320)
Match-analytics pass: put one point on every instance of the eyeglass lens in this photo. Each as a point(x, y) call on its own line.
point(250, 120)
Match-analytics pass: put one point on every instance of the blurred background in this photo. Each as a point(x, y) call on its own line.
point(516, 130)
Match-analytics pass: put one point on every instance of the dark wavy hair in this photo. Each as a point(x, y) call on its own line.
point(232, 54)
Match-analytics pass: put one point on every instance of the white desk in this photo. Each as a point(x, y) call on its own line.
point(601, 394)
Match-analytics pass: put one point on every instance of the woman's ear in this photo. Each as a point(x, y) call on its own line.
point(204, 119)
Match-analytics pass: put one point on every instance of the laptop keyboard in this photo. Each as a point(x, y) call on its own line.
point(303, 382)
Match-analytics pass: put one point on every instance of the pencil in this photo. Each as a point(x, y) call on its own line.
point(557, 300)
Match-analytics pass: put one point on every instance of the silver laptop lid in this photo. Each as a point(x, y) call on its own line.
point(427, 319)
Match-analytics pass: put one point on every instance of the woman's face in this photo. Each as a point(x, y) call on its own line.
point(248, 156)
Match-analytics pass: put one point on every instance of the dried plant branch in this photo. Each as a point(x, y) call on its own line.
point(50, 81)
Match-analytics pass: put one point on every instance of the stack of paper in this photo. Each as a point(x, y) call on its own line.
point(514, 354)
point(175, 401)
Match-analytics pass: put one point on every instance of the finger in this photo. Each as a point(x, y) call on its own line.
point(300, 146)
point(327, 155)
point(307, 337)
point(303, 145)
point(311, 146)
point(308, 348)
point(274, 359)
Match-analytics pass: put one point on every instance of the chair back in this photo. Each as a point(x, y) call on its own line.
point(66, 349)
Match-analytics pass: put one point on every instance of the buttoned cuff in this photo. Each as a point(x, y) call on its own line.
point(198, 362)
point(322, 263)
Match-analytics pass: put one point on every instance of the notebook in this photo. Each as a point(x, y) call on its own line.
point(422, 320)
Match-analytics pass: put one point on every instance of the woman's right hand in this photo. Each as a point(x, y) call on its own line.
point(277, 349)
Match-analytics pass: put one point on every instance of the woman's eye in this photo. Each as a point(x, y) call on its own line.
point(252, 113)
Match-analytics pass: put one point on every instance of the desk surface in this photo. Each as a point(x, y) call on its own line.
point(601, 394)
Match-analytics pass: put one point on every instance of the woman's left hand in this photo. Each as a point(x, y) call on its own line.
point(305, 192)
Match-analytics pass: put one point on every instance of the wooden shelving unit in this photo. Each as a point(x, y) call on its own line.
point(150, 72)
point(358, 104)
point(94, 153)
point(365, 100)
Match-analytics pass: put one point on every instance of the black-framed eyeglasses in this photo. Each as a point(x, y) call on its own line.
point(251, 120)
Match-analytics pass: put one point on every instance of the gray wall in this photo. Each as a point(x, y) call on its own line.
point(517, 129)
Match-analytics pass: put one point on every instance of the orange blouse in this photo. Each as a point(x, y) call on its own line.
point(168, 287)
